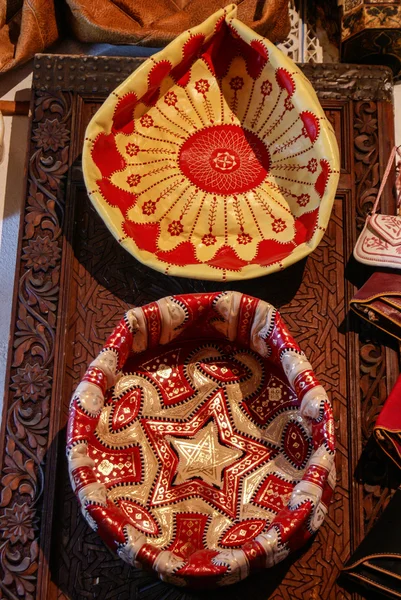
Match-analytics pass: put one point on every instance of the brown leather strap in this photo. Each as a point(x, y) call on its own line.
point(395, 151)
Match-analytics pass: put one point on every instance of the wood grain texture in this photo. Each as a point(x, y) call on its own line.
point(74, 282)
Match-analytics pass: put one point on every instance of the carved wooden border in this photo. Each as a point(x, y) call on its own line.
point(31, 410)
point(26, 427)
point(378, 364)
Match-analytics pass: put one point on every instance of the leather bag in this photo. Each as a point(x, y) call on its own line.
point(380, 241)
point(158, 23)
point(26, 27)
point(379, 302)
point(387, 429)
point(30, 26)
point(376, 564)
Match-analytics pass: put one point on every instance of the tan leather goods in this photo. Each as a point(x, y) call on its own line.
point(379, 302)
point(380, 241)
point(157, 23)
point(26, 27)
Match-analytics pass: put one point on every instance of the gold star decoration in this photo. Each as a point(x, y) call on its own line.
point(203, 456)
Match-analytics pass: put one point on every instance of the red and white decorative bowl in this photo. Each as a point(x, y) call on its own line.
point(214, 159)
point(200, 443)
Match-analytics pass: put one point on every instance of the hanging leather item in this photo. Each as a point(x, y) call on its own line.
point(379, 302)
point(26, 27)
point(157, 23)
point(380, 241)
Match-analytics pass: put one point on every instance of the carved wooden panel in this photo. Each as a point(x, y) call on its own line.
point(73, 284)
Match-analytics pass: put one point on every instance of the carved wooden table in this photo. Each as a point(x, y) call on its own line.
point(74, 282)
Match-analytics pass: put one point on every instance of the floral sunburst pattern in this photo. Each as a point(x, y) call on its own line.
point(224, 159)
point(220, 149)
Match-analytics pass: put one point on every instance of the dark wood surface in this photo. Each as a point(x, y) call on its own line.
point(74, 282)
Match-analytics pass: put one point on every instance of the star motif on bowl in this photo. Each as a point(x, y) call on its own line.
point(177, 481)
point(203, 456)
point(303, 199)
point(288, 104)
point(236, 83)
point(175, 228)
point(266, 88)
point(132, 149)
point(146, 121)
point(171, 99)
point(202, 86)
point(278, 225)
point(209, 239)
point(133, 179)
point(312, 165)
point(149, 207)
point(244, 238)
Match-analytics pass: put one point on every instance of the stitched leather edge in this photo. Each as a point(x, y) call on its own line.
point(374, 584)
point(382, 314)
point(379, 570)
point(378, 326)
point(360, 256)
point(374, 222)
point(368, 556)
point(376, 431)
point(376, 296)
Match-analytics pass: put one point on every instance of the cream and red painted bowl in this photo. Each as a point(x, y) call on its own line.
point(214, 159)
point(200, 443)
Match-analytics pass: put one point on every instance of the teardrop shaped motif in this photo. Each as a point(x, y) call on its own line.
point(139, 517)
point(126, 409)
point(296, 445)
point(243, 532)
point(226, 371)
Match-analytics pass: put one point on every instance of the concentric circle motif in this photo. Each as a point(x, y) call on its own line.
point(200, 458)
point(224, 159)
point(214, 164)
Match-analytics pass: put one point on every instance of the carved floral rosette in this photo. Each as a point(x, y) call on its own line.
point(209, 460)
point(214, 159)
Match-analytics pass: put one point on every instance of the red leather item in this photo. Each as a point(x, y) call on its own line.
point(190, 421)
point(379, 302)
point(387, 430)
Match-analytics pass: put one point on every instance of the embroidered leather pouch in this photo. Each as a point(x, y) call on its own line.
point(380, 241)
point(379, 301)
point(376, 564)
